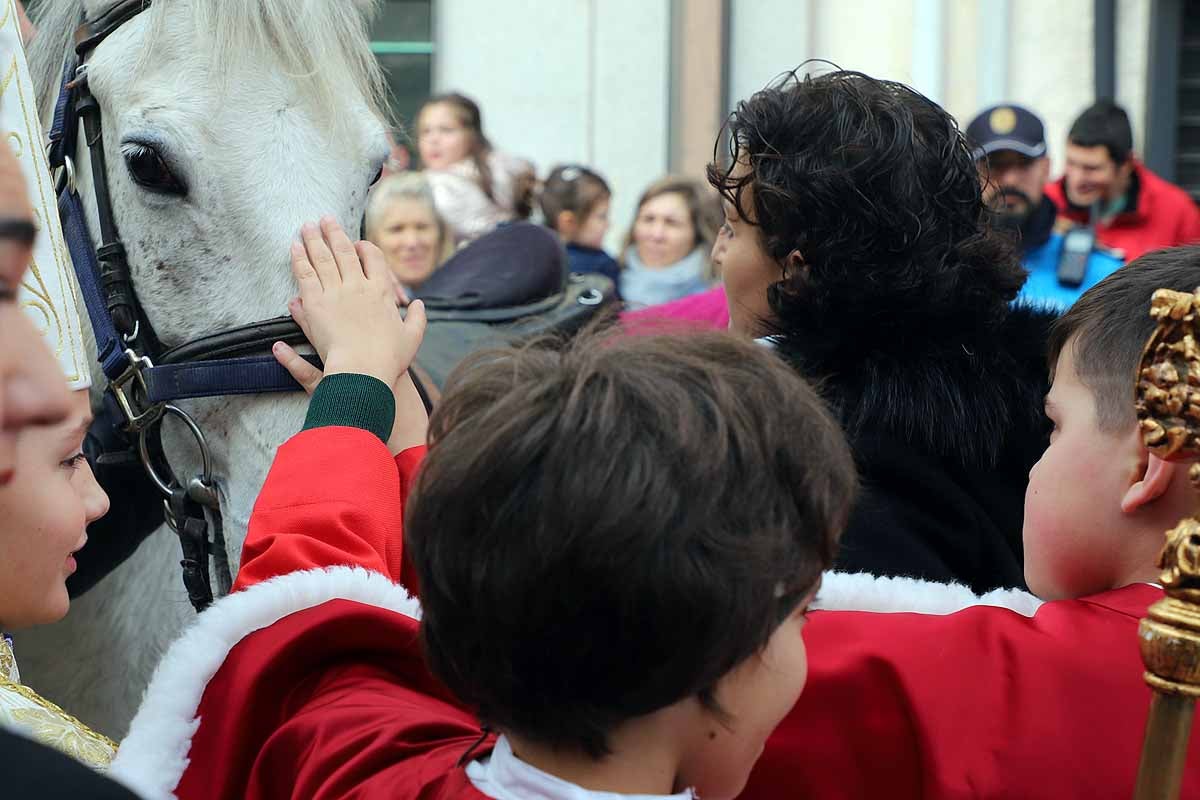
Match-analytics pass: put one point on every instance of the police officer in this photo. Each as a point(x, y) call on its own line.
point(1010, 150)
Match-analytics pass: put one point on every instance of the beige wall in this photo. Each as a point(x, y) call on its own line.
point(696, 110)
point(1047, 65)
point(1133, 54)
point(755, 59)
point(1050, 67)
point(866, 35)
point(567, 81)
point(590, 80)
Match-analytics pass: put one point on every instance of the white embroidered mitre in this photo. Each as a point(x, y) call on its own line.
point(48, 293)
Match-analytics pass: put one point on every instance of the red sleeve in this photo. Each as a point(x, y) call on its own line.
point(982, 703)
point(330, 703)
point(333, 497)
point(407, 463)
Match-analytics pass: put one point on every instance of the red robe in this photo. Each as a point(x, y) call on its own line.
point(308, 682)
point(983, 703)
point(311, 681)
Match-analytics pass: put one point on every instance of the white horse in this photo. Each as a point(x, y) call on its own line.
point(227, 123)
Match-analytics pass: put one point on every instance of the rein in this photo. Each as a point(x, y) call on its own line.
point(144, 377)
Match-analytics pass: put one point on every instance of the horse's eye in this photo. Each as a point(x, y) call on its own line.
point(150, 171)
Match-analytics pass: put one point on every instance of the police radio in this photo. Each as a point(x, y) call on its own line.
point(1077, 247)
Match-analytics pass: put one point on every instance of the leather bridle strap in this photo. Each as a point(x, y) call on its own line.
point(103, 273)
point(93, 32)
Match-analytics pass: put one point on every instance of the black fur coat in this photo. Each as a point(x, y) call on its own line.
point(945, 427)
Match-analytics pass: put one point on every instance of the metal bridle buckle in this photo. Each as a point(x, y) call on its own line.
point(64, 175)
point(137, 417)
point(592, 297)
point(129, 338)
point(201, 488)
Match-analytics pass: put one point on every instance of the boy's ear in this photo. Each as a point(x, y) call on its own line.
point(1156, 478)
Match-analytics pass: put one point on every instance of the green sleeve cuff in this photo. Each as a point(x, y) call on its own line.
point(354, 401)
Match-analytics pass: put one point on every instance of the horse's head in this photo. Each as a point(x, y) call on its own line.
point(226, 123)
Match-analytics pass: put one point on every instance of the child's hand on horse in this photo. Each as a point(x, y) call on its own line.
point(347, 309)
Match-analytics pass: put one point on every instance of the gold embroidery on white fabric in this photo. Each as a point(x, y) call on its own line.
point(49, 289)
point(26, 711)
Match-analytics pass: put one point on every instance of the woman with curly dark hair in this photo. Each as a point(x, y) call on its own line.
point(855, 243)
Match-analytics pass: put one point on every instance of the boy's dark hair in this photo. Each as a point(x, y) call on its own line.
point(605, 528)
point(571, 188)
point(876, 188)
point(1104, 123)
point(1110, 324)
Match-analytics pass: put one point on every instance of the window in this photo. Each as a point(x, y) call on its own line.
point(403, 43)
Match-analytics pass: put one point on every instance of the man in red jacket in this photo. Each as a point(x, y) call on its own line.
point(616, 544)
point(1018, 701)
point(1133, 210)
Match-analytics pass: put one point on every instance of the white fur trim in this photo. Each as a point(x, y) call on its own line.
point(153, 756)
point(841, 591)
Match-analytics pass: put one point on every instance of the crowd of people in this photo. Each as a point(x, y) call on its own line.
point(654, 564)
point(1106, 209)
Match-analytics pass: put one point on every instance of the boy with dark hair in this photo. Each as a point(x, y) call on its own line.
point(1014, 702)
point(616, 544)
point(1106, 187)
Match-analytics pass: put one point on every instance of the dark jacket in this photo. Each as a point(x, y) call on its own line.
point(32, 770)
point(584, 259)
point(944, 432)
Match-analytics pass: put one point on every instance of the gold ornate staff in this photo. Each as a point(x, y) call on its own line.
point(1168, 408)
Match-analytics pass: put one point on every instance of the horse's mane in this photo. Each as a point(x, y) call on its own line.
point(312, 40)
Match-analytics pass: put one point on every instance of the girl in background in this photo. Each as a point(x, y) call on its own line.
point(667, 251)
point(475, 186)
point(575, 202)
point(402, 220)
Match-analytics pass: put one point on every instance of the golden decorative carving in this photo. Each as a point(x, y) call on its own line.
point(1168, 385)
point(1168, 410)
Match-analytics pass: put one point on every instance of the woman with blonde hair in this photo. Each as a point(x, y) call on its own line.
point(402, 220)
point(667, 250)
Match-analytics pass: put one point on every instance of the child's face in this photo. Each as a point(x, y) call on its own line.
point(1074, 530)
point(45, 511)
point(745, 268)
point(757, 694)
point(33, 389)
point(594, 226)
point(442, 139)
